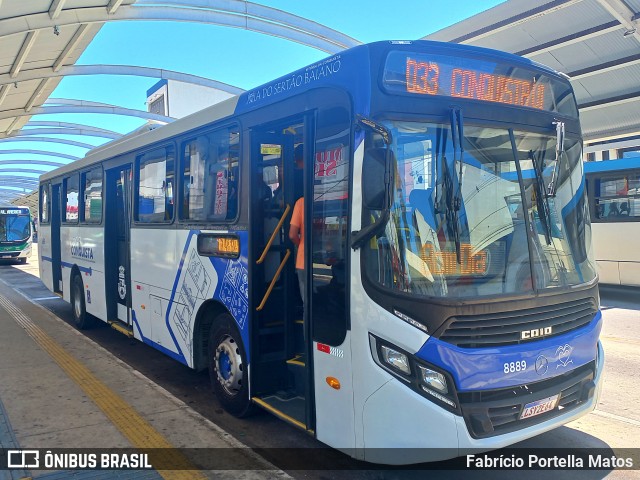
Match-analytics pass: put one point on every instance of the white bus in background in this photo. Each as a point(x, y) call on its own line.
point(614, 197)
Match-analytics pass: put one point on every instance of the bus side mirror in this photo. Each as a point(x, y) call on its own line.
point(373, 173)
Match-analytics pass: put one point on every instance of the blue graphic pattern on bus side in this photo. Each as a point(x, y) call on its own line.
point(228, 282)
point(155, 345)
point(499, 367)
point(232, 289)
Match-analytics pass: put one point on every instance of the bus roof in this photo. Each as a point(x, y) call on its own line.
point(612, 165)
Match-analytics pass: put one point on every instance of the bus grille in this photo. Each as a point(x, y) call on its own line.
point(494, 412)
point(504, 328)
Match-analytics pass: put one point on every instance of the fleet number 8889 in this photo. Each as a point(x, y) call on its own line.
point(512, 367)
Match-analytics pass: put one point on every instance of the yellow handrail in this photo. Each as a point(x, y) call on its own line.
point(273, 235)
point(274, 280)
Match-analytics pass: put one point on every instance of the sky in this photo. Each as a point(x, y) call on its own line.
point(235, 56)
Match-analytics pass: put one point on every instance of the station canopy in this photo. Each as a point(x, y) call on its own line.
point(595, 42)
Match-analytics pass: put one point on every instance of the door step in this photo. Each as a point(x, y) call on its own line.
point(291, 409)
point(121, 327)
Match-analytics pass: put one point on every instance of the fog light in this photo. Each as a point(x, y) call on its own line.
point(395, 359)
point(433, 379)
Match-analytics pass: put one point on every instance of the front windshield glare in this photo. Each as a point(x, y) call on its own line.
point(463, 232)
point(14, 228)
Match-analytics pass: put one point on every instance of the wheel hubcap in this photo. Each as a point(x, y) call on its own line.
point(228, 365)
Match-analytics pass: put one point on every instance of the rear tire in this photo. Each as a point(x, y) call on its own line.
point(228, 367)
point(81, 318)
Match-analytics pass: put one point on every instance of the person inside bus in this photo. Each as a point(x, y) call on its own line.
point(613, 210)
point(296, 226)
point(296, 235)
point(624, 209)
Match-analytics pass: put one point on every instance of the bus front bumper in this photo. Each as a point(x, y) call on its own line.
point(421, 431)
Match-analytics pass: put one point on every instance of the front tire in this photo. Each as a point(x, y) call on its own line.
point(228, 367)
point(81, 318)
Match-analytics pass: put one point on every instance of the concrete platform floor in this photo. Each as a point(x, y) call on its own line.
point(59, 390)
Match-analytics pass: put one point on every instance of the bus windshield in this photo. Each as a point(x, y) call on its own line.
point(474, 218)
point(14, 228)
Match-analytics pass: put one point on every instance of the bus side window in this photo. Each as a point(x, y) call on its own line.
point(92, 182)
point(45, 205)
point(209, 172)
point(70, 199)
point(155, 186)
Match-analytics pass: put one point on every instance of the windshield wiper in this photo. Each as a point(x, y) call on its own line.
point(551, 188)
point(542, 200)
point(452, 192)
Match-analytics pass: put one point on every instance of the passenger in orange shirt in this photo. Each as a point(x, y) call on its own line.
point(296, 235)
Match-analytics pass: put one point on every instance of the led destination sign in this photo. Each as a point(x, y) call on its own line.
point(476, 79)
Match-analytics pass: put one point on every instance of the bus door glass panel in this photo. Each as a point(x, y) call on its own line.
point(274, 193)
point(210, 176)
point(56, 261)
point(329, 226)
point(123, 215)
point(271, 192)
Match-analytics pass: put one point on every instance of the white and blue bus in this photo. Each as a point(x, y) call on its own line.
point(16, 233)
point(448, 299)
point(614, 198)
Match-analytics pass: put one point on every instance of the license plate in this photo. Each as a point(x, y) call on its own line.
point(539, 407)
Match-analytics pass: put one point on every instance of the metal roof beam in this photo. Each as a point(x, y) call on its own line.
point(113, 5)
point(38, 171)
point(507, 23)
point(113, 110)
point(55, 8)
point(72, 70)
point(46, 153)
point(571, 39)
point(33, 162)
point(27, 45)
point(621, 12)
point(265, 20)
point(4, 90)
point(62, 141)
point(63, 125)
point(610, 102)
point(37, 93)
point(605, 67)
point(27, 178)
point(73, 43)
point(87, 132)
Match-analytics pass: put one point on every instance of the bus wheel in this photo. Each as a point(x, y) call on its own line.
point(228, 366)
point(80, 315)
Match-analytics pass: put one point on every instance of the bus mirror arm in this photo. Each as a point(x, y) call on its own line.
point(377, 195)
point(361, 236)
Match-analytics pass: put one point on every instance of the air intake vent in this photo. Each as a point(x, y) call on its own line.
point(506, 328)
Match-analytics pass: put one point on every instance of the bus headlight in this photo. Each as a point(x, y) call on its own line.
point(432, 379)
point(395, 359)
point(425, 379)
